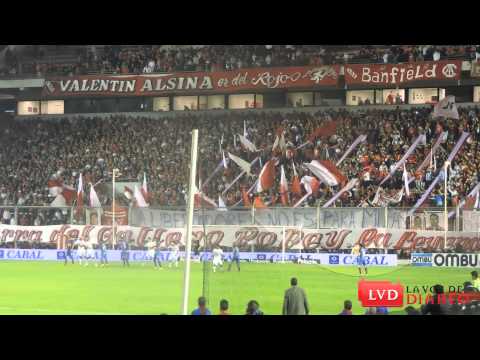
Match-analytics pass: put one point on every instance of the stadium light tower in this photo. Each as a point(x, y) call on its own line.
point(188, 232)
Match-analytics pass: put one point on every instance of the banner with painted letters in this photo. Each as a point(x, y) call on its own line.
point(302, 217)
point(399, 74)
point(192, 82)
point(258, 238)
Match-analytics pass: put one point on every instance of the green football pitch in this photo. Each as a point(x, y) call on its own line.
point(48, 288)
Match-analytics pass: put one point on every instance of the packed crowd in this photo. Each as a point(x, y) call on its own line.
point(121, 59)
point(34, 152)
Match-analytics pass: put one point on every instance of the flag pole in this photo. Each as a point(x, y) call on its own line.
point(445, 203)
point(188, 235)
point(114, 237)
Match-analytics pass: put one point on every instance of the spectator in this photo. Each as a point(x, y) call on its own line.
point(224, 307)
point(347, 308)
point(253, 308)
point(410, 310)
point(438, 304)
point(202, 307)
point(475, 280)
point(295, 300)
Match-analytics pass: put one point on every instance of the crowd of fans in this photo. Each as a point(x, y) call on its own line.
point(34, 152)
point(122, 59)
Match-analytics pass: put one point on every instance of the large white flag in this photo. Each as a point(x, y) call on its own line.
point(446, 108)
point(94, 201)
point(139, 197)
point(244, 165)
point(405, 179)
point(247, 144)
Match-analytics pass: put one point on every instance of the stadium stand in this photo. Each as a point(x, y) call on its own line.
point(135, 59)
point(92, 145)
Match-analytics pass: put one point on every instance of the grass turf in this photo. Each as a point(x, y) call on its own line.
point(47, 288)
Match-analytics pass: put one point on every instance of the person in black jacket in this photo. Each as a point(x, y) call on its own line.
point(438, 304)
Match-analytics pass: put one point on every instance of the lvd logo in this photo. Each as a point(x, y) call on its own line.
point(380, 293)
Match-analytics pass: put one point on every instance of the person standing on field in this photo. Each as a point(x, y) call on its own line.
point(295, 300)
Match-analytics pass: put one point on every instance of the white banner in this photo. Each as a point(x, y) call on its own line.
point(259, 237)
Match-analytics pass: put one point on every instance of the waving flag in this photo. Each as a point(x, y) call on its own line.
point(140, 200)
point(247, 144)
point(446, 108)
point(259, 204)
point(327, 130)
point(244, 165)
point(94, 201)
point(326, 172)
point(296, 189)
point(405, 179)
point(128, 193)
point(221, 204)
point(245, 198)
point(224, 160)
point(283, 187)
point(79, 196)
point(144, 190)
point(55, 187)
point(267, 176)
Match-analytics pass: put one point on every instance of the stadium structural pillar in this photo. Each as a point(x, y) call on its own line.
point(253, 213)
point(318, 216)
point(385, 213)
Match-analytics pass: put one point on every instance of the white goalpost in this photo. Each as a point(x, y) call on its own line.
point(188, 230)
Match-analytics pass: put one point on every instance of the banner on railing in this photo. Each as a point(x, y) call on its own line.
point(262, 257)
point(304, 217)
point(398, 74)
point(471, 220)
point(159, 84)
point(261, 238)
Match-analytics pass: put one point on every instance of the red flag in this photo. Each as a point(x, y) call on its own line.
point(327, 130)
point(266, 178)
point(258, 203)
point(246, 199)
point(296, 188)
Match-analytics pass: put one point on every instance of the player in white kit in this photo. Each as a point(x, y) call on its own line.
point(150, 251)
point(90, 252)
point(174, 255)
point(217, 258)
point(81, 250)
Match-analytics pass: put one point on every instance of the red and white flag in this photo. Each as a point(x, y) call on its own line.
point(140, 200)
point(446, 108)
point(55, 187)
point(310, 184)
point(79, 195)
point(144, 190)
point(266, 179)
point(128, 193)
point(328, 175)
point(296, 188)
point(283, 187)
point(94, 201)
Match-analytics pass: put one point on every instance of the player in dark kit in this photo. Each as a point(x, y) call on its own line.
point(235, 257)
point(124, 246)
point(68, 253)
point(156, 258)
